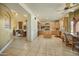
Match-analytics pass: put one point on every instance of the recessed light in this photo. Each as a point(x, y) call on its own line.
point(25, 15)
point(14, 12)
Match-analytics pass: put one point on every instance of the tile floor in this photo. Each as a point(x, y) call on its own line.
point(38, 47)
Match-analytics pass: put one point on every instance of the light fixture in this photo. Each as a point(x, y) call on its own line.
point(14, 12)
point(25, 15)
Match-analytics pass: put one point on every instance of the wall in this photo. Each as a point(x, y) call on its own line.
point(65, 22)
point(16, 19)
point(5, 34)
point(77, 26)
point(76, 21)
point(61, 24)
point(70, 18)
point(31, 23)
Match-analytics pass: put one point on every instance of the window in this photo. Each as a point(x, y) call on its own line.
point(72, 26)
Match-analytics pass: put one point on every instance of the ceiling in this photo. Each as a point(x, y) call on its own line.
point(44, 11)
point(47, 11)
point(17, 8)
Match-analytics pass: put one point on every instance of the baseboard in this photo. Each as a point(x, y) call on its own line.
point(6, 46)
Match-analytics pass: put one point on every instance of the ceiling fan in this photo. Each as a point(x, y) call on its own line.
point(70, 8)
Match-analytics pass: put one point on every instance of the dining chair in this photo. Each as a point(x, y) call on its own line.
point(76, 44)
point(69, 40)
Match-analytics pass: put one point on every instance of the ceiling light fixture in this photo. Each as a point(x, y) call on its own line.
point(14, 12)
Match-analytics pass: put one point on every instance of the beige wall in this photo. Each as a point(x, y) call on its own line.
point(5, 34)
point(77, 27)
point(16, 19)
point(5, 37)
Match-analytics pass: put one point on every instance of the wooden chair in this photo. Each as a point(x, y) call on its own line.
point(69, 40)
point(76, 44)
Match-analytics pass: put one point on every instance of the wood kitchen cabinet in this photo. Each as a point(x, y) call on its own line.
point(48, 34)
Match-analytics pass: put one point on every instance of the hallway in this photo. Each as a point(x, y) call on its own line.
point(39, 47)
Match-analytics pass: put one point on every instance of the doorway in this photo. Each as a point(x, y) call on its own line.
point(20, 31)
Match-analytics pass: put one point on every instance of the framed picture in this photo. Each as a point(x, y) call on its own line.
point(7, 24)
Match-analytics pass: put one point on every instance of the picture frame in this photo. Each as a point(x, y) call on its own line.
point(7, 24)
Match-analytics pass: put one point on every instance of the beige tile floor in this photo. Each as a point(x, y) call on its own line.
point(39, 47)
